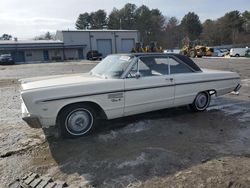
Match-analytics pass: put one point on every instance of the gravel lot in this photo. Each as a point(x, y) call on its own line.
point(167, 148)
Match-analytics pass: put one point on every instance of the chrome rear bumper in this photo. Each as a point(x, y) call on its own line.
point(237, 88)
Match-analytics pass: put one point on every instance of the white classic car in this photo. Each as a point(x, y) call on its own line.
point(121, 85)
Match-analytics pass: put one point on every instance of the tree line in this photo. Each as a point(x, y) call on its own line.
point(169, 32)
point(5, 37)
point(46, 36)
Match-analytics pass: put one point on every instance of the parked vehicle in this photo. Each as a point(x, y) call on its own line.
point(247, 53)
point(225, 50)
point(238, 52)
point(169, 51)
point(94, 55)
point(220, 52)
point(121, 85)
point(6, 59)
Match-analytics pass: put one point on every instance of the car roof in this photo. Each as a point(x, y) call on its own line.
point(186, 60)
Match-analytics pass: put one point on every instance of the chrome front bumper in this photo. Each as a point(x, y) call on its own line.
point(32, 121)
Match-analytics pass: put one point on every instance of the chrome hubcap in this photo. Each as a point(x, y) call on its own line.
point(201, 101)
point(79, 121)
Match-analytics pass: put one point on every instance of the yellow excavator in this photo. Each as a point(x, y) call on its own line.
point(152, 47)
point(138, 48)
point(196, 49)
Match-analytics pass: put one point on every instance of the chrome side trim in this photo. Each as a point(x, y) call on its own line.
point(133, 89)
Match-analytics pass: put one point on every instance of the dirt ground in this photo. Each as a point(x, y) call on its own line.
point(168, 148)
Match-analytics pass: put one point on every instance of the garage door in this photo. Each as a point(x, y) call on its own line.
point(127, 45)
point(18, 56)
point(104, 46)
point(46, 55)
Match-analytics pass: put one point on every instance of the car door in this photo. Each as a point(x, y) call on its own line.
point(185, 81)
point(148, 86)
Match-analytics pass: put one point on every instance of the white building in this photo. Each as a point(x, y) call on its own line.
point(105, 41)
point(70, 45)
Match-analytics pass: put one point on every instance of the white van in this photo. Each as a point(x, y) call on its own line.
point(237, 52)
point(174, 51)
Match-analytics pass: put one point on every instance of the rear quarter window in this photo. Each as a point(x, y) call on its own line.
point(177, 67)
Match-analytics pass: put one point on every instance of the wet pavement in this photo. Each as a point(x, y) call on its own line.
point(171, 147)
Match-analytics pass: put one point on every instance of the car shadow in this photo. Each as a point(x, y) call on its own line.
point(155, 144)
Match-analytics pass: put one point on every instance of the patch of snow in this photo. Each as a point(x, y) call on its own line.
point(139, 160)
point(245, 82)
point(106, 137)
point(136, 127)
point(245, 118)
point(223, 106)
point(128, 181)
point(129, 129)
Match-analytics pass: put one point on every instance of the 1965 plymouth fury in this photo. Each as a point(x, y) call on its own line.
point(121, 85)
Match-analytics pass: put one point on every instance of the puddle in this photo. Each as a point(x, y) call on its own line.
point(239, 110)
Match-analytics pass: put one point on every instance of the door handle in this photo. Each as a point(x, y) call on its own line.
point(170, 79)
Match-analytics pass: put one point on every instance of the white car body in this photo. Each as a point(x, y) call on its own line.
point(44, 97)
point(238, 52)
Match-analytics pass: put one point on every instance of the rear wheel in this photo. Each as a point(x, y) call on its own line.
point(77, 120)
point(201, 102)
point(237, 55)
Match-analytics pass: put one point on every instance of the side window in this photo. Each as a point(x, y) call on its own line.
point(161, 67)
point(176, 67)
point(144, 70)
point(158, 66)
point(153, 66)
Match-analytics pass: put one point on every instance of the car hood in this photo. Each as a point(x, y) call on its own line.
point(57, 81)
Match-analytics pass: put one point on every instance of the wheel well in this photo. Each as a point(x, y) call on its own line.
point(99, 111)
point(212, 92)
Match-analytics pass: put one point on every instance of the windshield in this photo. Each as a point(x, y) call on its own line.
point(112, 66)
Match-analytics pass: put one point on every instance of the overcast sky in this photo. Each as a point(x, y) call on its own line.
point(29, 18)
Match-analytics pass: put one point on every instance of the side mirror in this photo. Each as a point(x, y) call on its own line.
point(137, 75)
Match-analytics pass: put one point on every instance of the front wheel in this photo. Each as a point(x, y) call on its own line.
point(201, 102)
point(77, 120)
